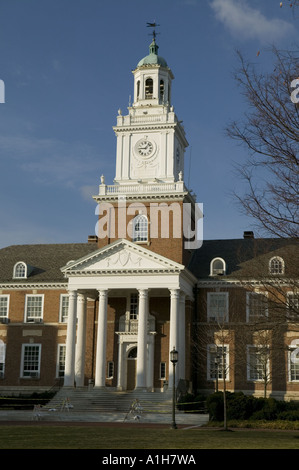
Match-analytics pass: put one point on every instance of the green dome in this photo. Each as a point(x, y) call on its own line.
point(153, 58)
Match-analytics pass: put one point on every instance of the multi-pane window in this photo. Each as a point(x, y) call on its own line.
point(294, 364)
point(61, 360)
point(276, 265)
point(31, 360)
point(34, 308)
point(20, 270)
point(140, 228)
point(162, 370)
point(217, 267)
point(4, 303)
point(217, 362)
point(2, 358)
point(64, 308)
point(110, 370)
point(133, 307)
point(258, 363)
point(218, 306)
point(257, 306)
point(293, 306)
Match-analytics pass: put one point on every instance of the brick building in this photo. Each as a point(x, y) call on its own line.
point(110, 310)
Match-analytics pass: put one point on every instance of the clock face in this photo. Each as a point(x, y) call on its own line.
point(145, 148)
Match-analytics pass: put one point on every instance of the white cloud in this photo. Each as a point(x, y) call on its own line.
point(246, 22)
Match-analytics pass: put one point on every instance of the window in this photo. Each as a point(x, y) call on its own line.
point(140, 228)
point(256, 306)
point(4, 307)
point(218, 306)
point(138, 89)
point(162, 370)
point(60, 361)
point(217, 366)
point(258, 363)
point(293, 306)
point(110, 370)
point(34, 308)
point(133, 306)
point(2, 358)
point(162, 90)
point(294, 362)
point(217, 267)
point(20, 271)
point(149, 85)
point(31, 360)
point(64, 308)
point(276, 265)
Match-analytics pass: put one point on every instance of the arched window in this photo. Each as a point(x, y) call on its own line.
point(149, 86)
point(140, 228)
point(162, 90)
point(276, 265)
point(20, 270)
point(217, 267)
point(138, 89)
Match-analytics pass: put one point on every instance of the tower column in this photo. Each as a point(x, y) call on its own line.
point(174, 330)
point(101, 339)
point(81, 340)
point(69, 372)
point(142, 339)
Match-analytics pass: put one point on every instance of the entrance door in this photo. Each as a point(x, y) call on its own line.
point(131, 369)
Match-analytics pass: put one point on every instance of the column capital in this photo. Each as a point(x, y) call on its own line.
point(143, 292)
point(175, 293)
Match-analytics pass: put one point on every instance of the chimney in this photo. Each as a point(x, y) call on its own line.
point(248, 235)
point(92, 239)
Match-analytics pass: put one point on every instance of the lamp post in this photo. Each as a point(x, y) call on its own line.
point(174, 359)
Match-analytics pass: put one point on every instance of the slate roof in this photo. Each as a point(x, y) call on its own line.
point(245, 256)
point(46, 260)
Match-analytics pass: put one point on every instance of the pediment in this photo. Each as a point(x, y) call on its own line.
point(121, 256)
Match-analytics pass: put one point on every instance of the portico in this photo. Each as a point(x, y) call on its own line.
point(123, 269)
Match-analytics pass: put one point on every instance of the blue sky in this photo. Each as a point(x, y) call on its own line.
point(67, 64)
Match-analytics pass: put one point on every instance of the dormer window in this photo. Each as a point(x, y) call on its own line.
point(276, 265)
point(20, 270)
point(217, 267)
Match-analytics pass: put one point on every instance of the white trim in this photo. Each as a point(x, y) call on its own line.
point(60, 308)
point(37, 376)
point(25, 273)
point(7, 309)
point(42, 308)
point(223, 270)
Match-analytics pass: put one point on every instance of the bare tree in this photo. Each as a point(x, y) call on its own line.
point(270, 132)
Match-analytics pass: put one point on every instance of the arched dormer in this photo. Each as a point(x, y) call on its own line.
point(140, 228)
point(276, 265)
point(20, 270)
point(217, 267)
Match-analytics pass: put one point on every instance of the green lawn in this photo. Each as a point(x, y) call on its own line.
point(138, 437)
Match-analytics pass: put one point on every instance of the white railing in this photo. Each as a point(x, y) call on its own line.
point(105, 189)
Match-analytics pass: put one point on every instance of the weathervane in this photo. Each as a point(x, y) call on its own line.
point(153, 25)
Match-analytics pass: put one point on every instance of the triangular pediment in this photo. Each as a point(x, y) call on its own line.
point(121, 256)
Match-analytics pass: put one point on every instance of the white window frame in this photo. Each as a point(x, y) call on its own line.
point(211, 356)
point(293, 316)
point(63, 319)
point(140, 236)
point(276, 259)
point(293, 367)
point(15, 275)
point(61, 349)
point(218, 271)
point(211, 314)
point(250, 369)
point(34, 319)
point(4, 316)
point(33, 374)
point(249, 315)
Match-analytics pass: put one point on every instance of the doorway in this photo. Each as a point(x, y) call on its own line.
point(131, 369)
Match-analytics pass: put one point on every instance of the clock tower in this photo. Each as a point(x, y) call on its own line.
point(150, 150)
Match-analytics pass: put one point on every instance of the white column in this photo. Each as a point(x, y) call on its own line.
point(150, 369)
point(120, 366)
point(81, 335)
point(182, 341)
point(173, 331)
point(100, 371)
point(142, 339)
point(69, 371)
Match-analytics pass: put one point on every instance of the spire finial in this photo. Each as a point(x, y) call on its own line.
point(153, 25)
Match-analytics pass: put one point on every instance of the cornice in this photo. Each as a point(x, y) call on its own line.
point(40, 285)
